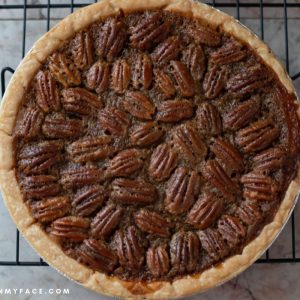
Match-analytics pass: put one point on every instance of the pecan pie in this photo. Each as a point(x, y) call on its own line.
point(150, 148)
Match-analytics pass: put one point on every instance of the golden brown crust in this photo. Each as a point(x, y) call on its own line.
point(20, 213)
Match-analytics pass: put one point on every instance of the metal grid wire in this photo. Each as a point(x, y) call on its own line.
point(237, 4)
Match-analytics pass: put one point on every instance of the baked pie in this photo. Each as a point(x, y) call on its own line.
point(150, 148)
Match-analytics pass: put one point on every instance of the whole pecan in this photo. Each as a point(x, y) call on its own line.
point(97, 255)
point(249, 213)
point(37, 158)
point(259, 187)
point(88, 199)
point(182, 190)
point(208, 119)
point(79, 101)
point(184, 81)
point(63, 70)
point(204, 35)
point(190, 144)
point(142, 72)
point(218, 178)
point(241, 115)
point(139, 105)
point(132, 191)
point(214, 82)
point(111, 39)
point(257, 135)
point(213, 244)
point(231, 230)
point(46, 92)
point(29, 123)
point(164, 83)
point(97, 77)
point(158, 261)
point(50, 209)
point(129, 249)
point(90, 149)
point(162, 162)
point(152, 222)
point(120, 74)
point(194, 59)
point(185, 251)
point(82, 50)
point(75, 229)
point(146, 134)
point(106, 221)
point(114, 121)
point(205, 211)
point(228, 154)
point(174, 110)
point(40, 186)
point(149, 31)
point(126, 162)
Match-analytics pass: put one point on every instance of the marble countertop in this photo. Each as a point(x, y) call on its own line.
point(261, 281)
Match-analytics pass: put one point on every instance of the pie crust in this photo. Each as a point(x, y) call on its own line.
point(42, 243)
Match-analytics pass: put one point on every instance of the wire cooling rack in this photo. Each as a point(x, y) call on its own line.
point(285, 6)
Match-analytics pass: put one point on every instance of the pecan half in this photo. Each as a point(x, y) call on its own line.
point(129, 249)
point(46, 92)
point(268, 160)
point(29, 123)
point(167, 50)
point(114, 121)
point(61, 127)
point(132, 191)
point(63, 70)
point(182, 190)
point(149, 31)
point(214, 82)
point(111, 39)
point(126, 162)
point(90, 149)
point(259, 187)
point(79, 101)
point(158, 261)
point(88, 199)
point(142, 72)
point(162, 162)
point(164, 83)
point(184, 81)
point(139, 105)
point(97, 255)
point(80, 176)
point(120, 76)
point(213, 244)
point(152, 222)
point(228, 154)
point(208, 119)
point(75, 229)
point(174, 110)
point(146, 134)
point(205, 211)
point(218, 178)
point(231, 230)
point(82, 50)
point(189, 142)
point(97, 77)
point(50, 209)
point(185, 251)
point(241, 115)
point(37, 158)
point(204, 35)
point(40, 186)
point(257, 136)
point(194, 59)
point(106, 221)
point(230, 52)
point(249, 213)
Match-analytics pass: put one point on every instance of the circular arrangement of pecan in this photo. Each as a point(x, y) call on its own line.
point(152, 146)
